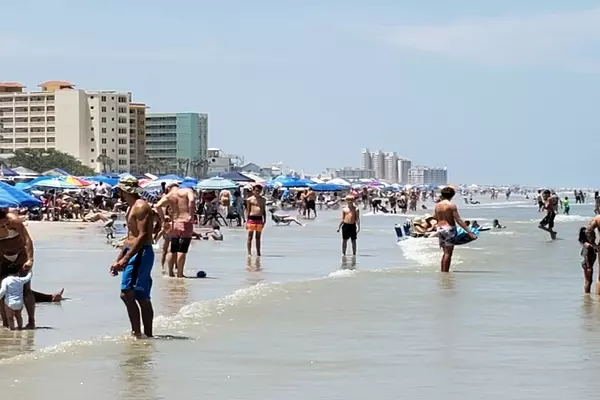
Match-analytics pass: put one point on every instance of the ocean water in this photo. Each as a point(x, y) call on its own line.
point(510, 320)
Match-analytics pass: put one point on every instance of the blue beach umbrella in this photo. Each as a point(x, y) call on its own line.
point(55, 183)
point(12, 197)
point(328, 187)
point(216, 184)
point(104, 179)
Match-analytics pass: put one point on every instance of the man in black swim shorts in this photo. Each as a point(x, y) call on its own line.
point(547, 223)
point(349, 225)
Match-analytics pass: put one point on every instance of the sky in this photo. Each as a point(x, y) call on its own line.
point(498, 91)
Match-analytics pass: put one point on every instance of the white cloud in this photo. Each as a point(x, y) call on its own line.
point(567, 40)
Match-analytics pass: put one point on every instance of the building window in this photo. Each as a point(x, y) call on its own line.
point(92, 128)
point(122, 120)
point(122, 141)
point(92, 149)
point(103, 130)
point(122, 110)
point(91, 97)
point(113, 150)
point(92, 139)
point(50, 140)
point(103, 119)
point(103, 98)
point(113, 118)
point(103, 140)
point(50, 129)
point(104, 151)
point(113, 139)
point(122, 162)
point(112, 98)
point(113, 129)
point(123, 152)
point(122, 99)
point(103, 109)
point(92, 107)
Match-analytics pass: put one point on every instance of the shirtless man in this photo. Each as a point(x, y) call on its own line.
point(548, 220)
point(589, 252)
point(446, 215)
point(182, 202)
point(256, 216)
point(136, 259)
point(311, 203)
point(349, 225)
point(16, 248)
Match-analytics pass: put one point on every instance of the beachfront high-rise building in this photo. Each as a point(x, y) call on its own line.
point(176, 142)
point(404, 165)
point(54, 117)
point(137, 137)
point(109, 118)
point(423, 175)
point(92, 126)
point(391, 167)
point(366, 161)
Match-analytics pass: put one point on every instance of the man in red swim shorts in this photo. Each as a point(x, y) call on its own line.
point(182, 202)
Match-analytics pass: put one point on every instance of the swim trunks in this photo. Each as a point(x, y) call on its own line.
point(349, 231)
point(255, 223)
point(548, 220)
point(310, 205)
point(137, 275)
point(180, 237)
point(447, 236)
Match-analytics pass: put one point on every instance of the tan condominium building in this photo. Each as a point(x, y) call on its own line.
point(93, 126)
point(137, 137)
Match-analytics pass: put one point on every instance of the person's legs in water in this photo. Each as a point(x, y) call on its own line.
point(133, 312)
point(136, 286)
point(589, 258)
point(29, 300)
point(147, 316)
point(249, 242)
point(344, 246)
point(10, 315)
point(258, 243)
point(19, 318)
point(353, 241)
point(447, 258)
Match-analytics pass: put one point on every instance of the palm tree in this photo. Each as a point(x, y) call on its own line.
point(110, 162)
point(102, 158)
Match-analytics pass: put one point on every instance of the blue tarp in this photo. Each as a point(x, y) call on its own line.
point(327, 187)
point(7, 172)
point(13, 197)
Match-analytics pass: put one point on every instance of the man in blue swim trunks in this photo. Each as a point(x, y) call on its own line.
point(136, 259)
point(446, 215)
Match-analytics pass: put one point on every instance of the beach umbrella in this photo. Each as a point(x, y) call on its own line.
point(22, 171)
point(328, 187)
point(255, 177)
point(157, 184)
point(236, 177)
point(55, 183)
point(56, 172)
point(292, 182)
point(12, 197)
point(170, 177)
point(217, 183)
point(339, 181)
point(188, 183)
point(75, 181)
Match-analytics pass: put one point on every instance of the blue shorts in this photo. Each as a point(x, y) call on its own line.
point(137, 275)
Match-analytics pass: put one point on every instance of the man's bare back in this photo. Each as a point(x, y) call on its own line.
point(182, 202)
point(444, 213)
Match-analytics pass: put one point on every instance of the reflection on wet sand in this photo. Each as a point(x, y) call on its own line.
point(13, 343)
point(176, 292)
point(136, 371)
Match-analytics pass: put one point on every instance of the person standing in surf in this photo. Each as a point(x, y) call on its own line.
point(349, 225)
point(547, 223)
point(256, 216)
point(447, 217)
point(136, 259)
point(589, 252)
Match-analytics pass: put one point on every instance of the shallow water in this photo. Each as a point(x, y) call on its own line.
point(510, 321)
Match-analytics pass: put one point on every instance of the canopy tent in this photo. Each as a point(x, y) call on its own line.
point(170, 177)
point(339, 181)
point(236, 177)
point(328, 187)
point(13, 197)
point(7, 172)
point(254, 177)
point(22, 171)
point(216, 183)
point(56, 172)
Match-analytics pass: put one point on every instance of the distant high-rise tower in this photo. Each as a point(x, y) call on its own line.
point(391, 167)
point(404, 164)
point(378, 158)
point(366, 162)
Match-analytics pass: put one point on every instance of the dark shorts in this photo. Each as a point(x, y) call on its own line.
point(180, 245)
point(589, 257)
point(548, 220)
point(349, 231)
point(137, 275)
point(311, 205)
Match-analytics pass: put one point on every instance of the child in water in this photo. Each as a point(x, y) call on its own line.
point(109, 227)
point(566, 205)
point(12, 291)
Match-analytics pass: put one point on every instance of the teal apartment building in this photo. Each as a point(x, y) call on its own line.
point(176, 143)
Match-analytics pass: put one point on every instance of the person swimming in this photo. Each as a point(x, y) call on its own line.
point(496, 225)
